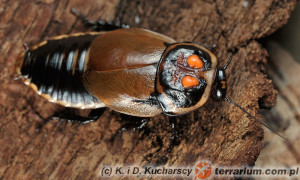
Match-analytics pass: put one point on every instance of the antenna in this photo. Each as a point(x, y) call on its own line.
point(83, 18)
point(238, 106)
point(229, 100)
point(228, 62)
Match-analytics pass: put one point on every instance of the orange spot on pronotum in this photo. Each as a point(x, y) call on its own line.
point(189, 81)
point(195, 62)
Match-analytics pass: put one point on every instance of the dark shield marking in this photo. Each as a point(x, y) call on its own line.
point(174, 69)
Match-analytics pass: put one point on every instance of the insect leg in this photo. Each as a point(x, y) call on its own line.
point(99, 25)
point(132, 123)
point(70, 115)
point(174, 140)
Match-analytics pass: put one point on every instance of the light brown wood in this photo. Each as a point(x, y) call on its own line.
point(285, 115)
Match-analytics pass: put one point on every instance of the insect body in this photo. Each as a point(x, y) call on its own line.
point(133, 71)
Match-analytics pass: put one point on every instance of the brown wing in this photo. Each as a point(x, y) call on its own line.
point(127, 49)
point(122, 70)
point(129, 91)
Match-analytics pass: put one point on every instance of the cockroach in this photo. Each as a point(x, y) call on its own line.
point(133, 71)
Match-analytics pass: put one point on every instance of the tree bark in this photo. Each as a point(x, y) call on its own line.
point(217, 132)
point(285, 115)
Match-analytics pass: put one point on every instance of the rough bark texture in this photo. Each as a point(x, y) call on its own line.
point(218, 132)
point(285, 115)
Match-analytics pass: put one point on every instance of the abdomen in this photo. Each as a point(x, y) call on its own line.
point(54, 69)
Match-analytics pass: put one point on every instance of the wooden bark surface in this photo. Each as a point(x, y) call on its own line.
point(285, 115)
point(218, 132)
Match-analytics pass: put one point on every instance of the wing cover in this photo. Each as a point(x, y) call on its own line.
point(127, 49)
point(122, 70)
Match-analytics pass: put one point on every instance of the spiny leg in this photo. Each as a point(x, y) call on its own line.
point(132, 123)
point(99, 25)
point(174, 140)
point(70, 115)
